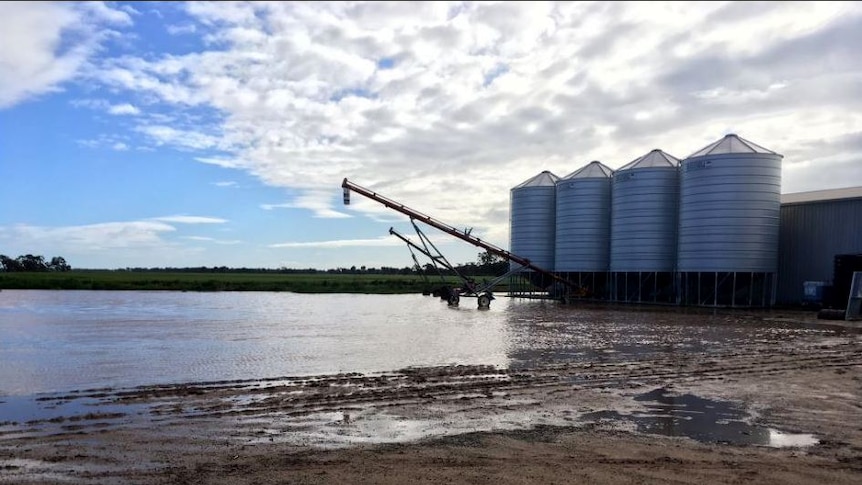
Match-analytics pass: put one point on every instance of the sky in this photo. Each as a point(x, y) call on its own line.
point(151, 134)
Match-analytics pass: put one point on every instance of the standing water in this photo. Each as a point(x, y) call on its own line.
point(54, 341)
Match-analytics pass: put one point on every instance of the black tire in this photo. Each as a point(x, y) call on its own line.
point(484, 301)
point(454, 299)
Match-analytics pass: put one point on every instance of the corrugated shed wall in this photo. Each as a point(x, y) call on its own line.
point(810, 236)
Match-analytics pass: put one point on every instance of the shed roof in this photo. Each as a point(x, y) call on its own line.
point(822, 195)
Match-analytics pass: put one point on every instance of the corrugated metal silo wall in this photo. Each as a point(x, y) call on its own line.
point(583, 224)
point(812, 233)
point(645, 202)
point(532, 225)
point(729, 213)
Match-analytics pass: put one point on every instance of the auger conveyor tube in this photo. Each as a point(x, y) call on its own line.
point(452, 231)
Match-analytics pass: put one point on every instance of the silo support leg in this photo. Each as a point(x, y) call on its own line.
point(751, 290)
point(715, 291)
point(733, 295)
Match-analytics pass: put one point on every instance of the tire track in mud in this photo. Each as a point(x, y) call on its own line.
point(416, 385)
point(297, 396)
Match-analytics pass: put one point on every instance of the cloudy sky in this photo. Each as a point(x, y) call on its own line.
point(184, 134)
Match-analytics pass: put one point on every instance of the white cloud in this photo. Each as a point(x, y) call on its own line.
point(383, 241)
point(219, 162)
point(269, 207)
point(227, 183)
point(105, 13)
point(167, 135)
point(317, 201)
point(91, 237)
point(180, 219)
point(129, 10)
point(112, 142)
point(123, 109)
point(344, 243)
point(90, 103)
point(44, 44)
point(103, 105)
point(445, 107)
point(181, 29)
point(213, 240)
point(148, 243)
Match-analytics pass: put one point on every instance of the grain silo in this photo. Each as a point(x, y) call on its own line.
point(730, 199)
point(644, 212)
point(582, 245)
point(531, 220)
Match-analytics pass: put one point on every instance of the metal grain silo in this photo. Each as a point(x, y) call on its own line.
point(730, 199)
point(644, 209)
point(583, 220)
point(531, 219)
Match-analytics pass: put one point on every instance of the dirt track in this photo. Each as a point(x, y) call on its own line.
point(472, 424)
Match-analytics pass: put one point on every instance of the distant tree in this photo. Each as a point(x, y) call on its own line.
point(8, 264)
point(58, 263)
point(488, 257)
point(30, 262)
point(492, 264)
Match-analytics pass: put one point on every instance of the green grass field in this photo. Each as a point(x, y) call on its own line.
point(144, 280)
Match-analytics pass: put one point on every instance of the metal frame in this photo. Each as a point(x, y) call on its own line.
point(720, 288)
point(469, 288)
point(854, 300)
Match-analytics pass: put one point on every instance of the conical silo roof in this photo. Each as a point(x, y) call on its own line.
point(593, 169)
point(644, 206)
point(544, 179)
point(731, 143)
point(730, 200)
point(653, 159)
point(532, 206)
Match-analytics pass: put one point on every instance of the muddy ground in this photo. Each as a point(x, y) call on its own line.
point(768, 411)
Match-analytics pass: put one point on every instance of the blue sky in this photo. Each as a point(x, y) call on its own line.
point(185, 134)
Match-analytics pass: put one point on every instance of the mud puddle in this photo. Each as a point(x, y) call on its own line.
point(42, 409)
point(703, 420)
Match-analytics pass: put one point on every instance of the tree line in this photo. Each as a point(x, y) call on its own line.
point(29, 262)
point(487, 264)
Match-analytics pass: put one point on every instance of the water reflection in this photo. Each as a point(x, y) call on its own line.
point(66, 340)
point(701, 419)
point(542, 332)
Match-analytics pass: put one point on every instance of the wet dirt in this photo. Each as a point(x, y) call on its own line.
point(704, 420)
point(785, 411)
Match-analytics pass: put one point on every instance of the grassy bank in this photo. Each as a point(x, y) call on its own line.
point(144, 280)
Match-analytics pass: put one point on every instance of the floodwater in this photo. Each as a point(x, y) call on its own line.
point(55, 341)
point(704, 420)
